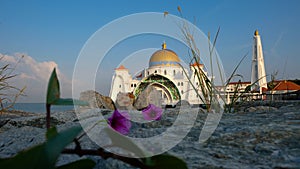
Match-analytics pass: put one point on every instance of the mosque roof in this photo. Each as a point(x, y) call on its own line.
point(121, 67)
point(164, 57)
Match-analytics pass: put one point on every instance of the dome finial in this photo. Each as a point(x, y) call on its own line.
point(256, 32)
point(164, 45)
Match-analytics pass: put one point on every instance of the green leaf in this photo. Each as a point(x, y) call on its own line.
point(51, 133)
point(80, 164)
point(56, 144)
point(32, 158)
point(167, 161)
point(123, 142)
point(43, 155)
point(53, 92)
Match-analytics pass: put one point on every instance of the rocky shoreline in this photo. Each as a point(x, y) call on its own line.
point(256, 135)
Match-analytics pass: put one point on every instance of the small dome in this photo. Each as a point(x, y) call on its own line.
point(164, 57)
point(122, 67)
point(256, 32)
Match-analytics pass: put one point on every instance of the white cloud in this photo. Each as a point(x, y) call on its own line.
point(7, 58)
point(35, 75)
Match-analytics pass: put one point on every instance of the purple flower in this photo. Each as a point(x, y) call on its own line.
point(120, 122)
point(152, 112)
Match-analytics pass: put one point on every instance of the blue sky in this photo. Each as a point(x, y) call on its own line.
point(54, 32)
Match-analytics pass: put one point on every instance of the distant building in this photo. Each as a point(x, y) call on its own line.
point(235, 90)
point(239, 86)
point(165, 74)
point(241, 91)
point(283, 90)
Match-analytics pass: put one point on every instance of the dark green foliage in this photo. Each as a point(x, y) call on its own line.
point(53, 93)
point(80, 164)
point(167, 161)
point(44, 156)
point(297, 81)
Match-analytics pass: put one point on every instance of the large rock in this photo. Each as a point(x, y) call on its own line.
point(125, 101)
point(183, 104)
point(148, 96)
point(97, 100)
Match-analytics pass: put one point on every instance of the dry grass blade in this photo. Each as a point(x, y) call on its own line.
point(8, 93)
point(206, 90)
point(195, 89)
point(235, 69)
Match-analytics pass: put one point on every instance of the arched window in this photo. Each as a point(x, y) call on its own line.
point(131, 85)
point(165, 72)
point(181, 83)
point(120, 86)
point(155, 71)
point(174, 72)
point(178, 84)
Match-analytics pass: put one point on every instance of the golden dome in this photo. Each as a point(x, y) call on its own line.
point(164, 57)
point(256, 32)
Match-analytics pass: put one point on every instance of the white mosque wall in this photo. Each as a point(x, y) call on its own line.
point(121, 82)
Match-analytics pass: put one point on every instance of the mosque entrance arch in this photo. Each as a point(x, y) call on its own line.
point(165, 86)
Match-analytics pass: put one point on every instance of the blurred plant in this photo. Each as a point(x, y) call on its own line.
point(120, 122)
point(8, 93)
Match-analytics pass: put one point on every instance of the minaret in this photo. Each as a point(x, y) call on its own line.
point(164, 45)
point(258, 66)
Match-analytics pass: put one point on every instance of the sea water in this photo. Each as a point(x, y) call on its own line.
point(40, 107)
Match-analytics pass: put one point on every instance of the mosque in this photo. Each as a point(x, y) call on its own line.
point(168, 77)
point(165, 74)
